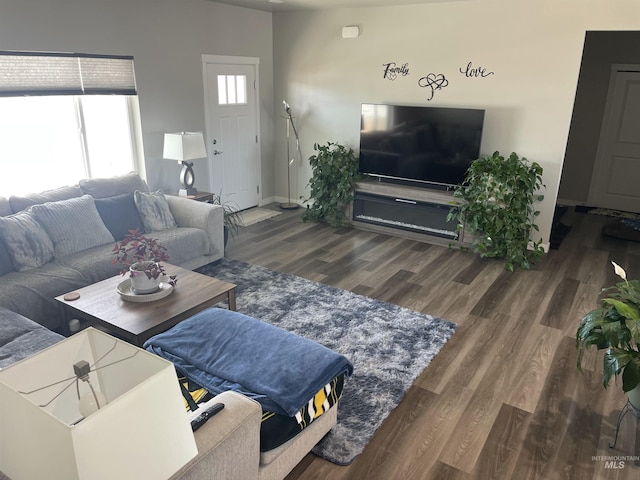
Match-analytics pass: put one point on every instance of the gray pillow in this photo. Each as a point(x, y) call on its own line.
point(154, 211)
point(27, 241)
point(6, 264)
point(73, 225)
point(5, 207)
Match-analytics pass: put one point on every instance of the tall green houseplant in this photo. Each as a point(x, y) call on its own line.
point(497, 208)
point(334, 170)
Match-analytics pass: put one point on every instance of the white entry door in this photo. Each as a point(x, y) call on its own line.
point(616, 177)
point(232, 128)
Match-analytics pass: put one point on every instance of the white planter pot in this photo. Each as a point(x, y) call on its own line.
point(634, 397)
point(140, 283)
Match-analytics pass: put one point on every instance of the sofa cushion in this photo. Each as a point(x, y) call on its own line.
point(109, 187)
point(19, 203)
point(154, 211)
point(119, 214)
point(21, 337)
point(93, 265)
point(27, 241)
point(183, 243)
point(32, 292)
point(73, 225)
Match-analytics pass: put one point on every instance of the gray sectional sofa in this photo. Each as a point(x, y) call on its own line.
point(59, 240)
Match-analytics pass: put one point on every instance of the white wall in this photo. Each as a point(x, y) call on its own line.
point(533, 47)
point(167, 39)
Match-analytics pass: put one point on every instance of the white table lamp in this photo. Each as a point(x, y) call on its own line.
point(182, 147)
point(141, 432)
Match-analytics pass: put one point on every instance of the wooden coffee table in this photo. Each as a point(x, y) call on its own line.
point(102, 306)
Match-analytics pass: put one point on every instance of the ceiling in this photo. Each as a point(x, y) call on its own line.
point(294, 5)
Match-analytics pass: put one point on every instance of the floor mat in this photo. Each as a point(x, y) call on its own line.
point(255, 215)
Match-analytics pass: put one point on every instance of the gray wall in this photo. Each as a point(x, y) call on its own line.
point(167, 39)
point(601, 50)
point(534, 48)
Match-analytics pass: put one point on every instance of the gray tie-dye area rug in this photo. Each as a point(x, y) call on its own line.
point(389, 346)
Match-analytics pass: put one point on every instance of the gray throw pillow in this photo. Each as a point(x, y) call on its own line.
point(154, 211)
point(27, 241)
point(73, 225)
point(6, 264)
point(5, 207)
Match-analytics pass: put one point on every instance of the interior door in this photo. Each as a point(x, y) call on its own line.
point(232, 128)
point(616, 179)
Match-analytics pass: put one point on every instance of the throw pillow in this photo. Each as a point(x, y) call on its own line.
point(27, 241)
point(6, 264)
point(154, 211)
point(108, 187)
point(73, 225)
point(119, 214)
point(5, 207)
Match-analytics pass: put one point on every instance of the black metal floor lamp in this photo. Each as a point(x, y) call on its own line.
point(289, 119)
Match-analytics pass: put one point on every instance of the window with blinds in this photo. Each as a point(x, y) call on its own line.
point(65, 74)
point(64, 117)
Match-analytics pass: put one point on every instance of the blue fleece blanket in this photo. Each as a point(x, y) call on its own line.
point(224, 350)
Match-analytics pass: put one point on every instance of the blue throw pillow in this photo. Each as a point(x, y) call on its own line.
point(119, 214)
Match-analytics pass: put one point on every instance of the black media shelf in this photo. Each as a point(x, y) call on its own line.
point(406, 214)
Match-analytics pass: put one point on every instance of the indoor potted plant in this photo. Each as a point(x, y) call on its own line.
point(334, 170)
point(615, 327)
point(497, 208)
point(231, 215)
point(140, 256)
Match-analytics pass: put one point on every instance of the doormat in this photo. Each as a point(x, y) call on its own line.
point(255, 215)
point(613, 213)
point(389, 346)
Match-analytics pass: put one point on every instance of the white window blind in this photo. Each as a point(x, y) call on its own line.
point(27, 73)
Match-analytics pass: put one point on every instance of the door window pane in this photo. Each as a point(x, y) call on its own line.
point(232, 89)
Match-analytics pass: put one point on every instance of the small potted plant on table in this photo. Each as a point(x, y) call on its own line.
point(140, 256)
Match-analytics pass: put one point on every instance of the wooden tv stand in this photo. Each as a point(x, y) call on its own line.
point(405, 211)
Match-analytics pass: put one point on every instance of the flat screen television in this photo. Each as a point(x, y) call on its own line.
point(428, 146)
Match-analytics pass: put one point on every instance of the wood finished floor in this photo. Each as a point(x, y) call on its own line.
point(503, 399)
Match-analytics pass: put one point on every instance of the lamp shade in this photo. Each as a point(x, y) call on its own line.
point(184, 146)
point(142, 432)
